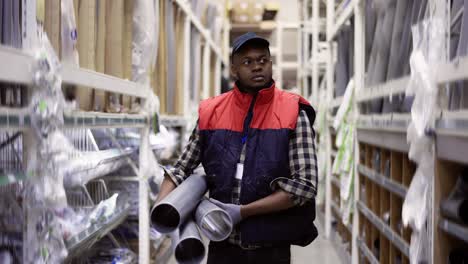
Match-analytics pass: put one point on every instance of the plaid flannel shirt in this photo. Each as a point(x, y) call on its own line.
point(301, 185)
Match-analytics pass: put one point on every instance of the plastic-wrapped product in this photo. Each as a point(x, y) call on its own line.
point(429, 49)
point(144, 39)
point(71, 222)
point(103, 210)
point(45, 192)
point(346, 105)
point(170, 139)
point(90, 165)
point(47, 102)
point(69, 33)
point(347, 171)
point(416, 201)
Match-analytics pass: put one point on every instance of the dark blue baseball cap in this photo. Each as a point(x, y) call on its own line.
point(248, 37)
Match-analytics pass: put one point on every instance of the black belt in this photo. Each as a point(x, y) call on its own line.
point(247, 246)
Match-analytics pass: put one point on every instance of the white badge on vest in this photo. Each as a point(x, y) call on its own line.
point(239, 171)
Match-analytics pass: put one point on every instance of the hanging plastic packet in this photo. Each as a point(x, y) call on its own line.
point(346, 105)
point(69, 33)
point(144, 50)
point(44, 192)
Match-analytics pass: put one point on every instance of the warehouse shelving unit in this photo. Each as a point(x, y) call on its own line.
point(18, 71)
point(384, 171)
point(312, 50)
point(19, 119)
point(451, 132)
point(212, 52)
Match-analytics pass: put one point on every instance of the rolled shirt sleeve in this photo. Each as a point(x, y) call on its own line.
point(302, 183)
point(188, 161)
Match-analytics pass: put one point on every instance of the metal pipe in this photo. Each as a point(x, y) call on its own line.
point(172, 211)
point(187, 244)
point(213, 221)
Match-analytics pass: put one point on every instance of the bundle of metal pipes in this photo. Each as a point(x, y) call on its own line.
point(182, 211)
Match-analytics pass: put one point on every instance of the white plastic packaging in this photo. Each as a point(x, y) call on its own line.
point(69, 33)
point(345, 105)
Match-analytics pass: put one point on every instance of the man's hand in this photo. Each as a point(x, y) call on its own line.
point(167, 186)
point(233, 210)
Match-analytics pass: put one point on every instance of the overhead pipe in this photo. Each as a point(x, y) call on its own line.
point(214, 222)
point(187, 244)
point(173, 210)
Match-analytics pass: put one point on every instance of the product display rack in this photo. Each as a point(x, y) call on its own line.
point(383, 183)
point(18, 119)
point(312, 50)
point(18, 71)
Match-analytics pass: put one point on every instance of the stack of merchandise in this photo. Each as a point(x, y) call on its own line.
point(171, 58)
point(388, 47)
point(345, 125)
point(458, 95)
point(455, 208)
point(95, 35)
point(321, 128)
point(253, 12)
point(12, 95)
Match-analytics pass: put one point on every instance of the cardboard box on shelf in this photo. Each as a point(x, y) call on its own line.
point(240, 11)
point(86, 48)
point(99, 101)
point(270, 11)
point(255, 12)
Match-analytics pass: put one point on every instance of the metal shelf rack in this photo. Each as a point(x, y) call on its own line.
point(383, 181)
point(391, 235)
point(86, 238)
point(18, 71)
point(389, 132)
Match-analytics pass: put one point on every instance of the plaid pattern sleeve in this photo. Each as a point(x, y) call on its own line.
point(302, 183)
point(188, 161)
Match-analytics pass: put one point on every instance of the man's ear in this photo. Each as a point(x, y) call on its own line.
point(234, 72)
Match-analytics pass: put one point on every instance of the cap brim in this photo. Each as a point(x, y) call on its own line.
point(258, 40)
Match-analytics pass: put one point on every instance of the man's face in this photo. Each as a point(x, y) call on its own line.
point(252, 67)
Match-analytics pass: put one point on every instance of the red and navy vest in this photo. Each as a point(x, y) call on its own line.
point(264, 123)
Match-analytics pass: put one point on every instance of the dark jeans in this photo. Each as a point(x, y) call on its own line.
point(225, 253)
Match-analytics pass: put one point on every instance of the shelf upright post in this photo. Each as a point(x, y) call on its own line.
point(217, 75)
point(315, 40)
point(28, 24)
point(299, 61)
point(143, 207)
point(279, 56)
point(206, 71)
point(359, 72)
point(308, 46)
point(187, 56)
point(330, 86)
point(29, 39)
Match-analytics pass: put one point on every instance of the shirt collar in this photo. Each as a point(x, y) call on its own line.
point(264, 96)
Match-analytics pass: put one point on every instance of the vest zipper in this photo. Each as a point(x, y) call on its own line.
point(248, 120)
point(245, 134)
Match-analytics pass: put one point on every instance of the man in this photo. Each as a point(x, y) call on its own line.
point(256, 144)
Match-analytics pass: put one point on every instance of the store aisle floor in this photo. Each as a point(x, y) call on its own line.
point(321, 251)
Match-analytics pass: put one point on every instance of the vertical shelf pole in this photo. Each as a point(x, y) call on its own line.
point(206, 71)
point(330, 86)
point(187, 56)
point(359, 72)
point(143, 208)
point(279, 63)
point(315, 40)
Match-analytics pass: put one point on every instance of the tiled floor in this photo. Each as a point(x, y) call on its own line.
point(321, 251)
